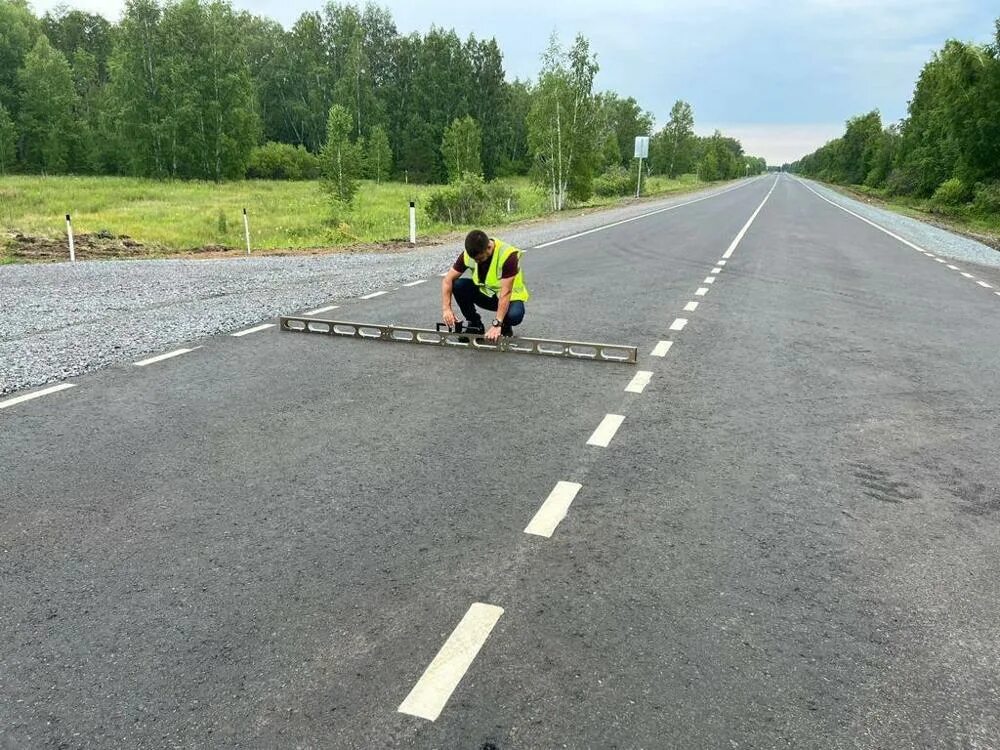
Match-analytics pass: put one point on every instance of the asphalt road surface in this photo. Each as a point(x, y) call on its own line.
point(789, 536)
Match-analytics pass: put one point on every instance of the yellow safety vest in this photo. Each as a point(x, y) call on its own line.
point(490, 286)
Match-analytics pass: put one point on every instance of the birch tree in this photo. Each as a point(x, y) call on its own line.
point(562, 122)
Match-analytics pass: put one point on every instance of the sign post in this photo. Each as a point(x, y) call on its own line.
point(641, 152)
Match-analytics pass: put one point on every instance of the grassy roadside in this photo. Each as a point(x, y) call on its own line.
point(127, 217)
point(958, 220)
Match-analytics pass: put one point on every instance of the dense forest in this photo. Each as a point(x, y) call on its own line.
point(197, 90)
point(947, 149)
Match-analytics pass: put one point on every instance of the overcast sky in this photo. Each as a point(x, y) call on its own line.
point(781, 75)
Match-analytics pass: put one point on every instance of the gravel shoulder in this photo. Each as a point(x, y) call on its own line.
point(61, 320)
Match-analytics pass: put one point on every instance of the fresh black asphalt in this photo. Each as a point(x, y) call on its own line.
point(791, 542)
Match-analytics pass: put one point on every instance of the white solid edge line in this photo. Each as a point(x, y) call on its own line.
point(639, 382)
point(319, 310)
point(691, 307)
point(640, 216)
point(678, 324)
point(606, 430)
point(161, 357)
point(420, 281)
point(373, 295)
point(702, 291)
point(553, 510)
point(984, 284)
point(661, 349)
point(439, 680)
point(37, 394)
point(866, 221)
point(255, 329)
point(709, 280)
point(743, 231)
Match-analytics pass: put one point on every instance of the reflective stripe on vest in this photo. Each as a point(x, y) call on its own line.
point(490, 286)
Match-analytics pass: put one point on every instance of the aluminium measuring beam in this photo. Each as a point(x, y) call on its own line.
point(410, 335)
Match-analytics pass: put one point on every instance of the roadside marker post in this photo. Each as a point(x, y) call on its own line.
point(72, 246)
point(246, 229)
point(413, 223)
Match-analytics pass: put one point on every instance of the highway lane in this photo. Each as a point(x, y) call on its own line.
point(265, 541)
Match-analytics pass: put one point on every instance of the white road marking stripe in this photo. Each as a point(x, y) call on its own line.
point(940, 260)
point(442, 275)
point(320, 310)
point(37, 394)
point(953, 268)
point(702, 291)
point(720, 262)
point(997, 294)
point(709, 280)
point(984, 284)
point(424, 281)
point(968, 275)
point(255, 329)
point(661, 349)
point(690, 307)
point(439, 680)
point(868, 221)
point(636, 218)
point(606, 430)
point(639, 382)
point(161, 357)
point(678, 324)
point(743, 231)
point(373, 295)
point(553, 510)
point(716, 270)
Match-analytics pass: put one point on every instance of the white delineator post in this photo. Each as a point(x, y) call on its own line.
point(246, 229)
point(413, 223)
point(69, 233)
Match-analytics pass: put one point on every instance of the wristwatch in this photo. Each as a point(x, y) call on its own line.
point(496, 323)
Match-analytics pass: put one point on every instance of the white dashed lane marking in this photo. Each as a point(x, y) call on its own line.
point(439, 680)
point(321, 310)
point(661, 349)
point(639, 382)
point(702, 291)
point(953, 268)
point(709, 280)
point(606, 430)
point(690, 307)
point(940, 260)
point(721, 262)
point(37, 394)
point(553, 510)
point(255, 329)
point(678, 325)
point(373, 295)
point(716, 270)
point(424, 281)
point(161, 357)
point(984, 284)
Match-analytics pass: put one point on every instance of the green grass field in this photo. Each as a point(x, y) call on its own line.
point(171, 216)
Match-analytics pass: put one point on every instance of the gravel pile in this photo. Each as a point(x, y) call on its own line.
point(61, 320)
point(931, 238)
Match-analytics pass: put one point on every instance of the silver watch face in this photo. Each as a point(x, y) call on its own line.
point(496, 322)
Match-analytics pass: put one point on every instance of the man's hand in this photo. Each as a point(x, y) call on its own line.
point(449, 317)
point(493, 333)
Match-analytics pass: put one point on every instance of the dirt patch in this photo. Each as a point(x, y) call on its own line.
point(21, 248)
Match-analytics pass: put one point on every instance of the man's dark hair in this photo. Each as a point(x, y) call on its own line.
point(476, 242)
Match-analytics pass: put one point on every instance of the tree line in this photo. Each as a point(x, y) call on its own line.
point(194, 89)
point(947, 148)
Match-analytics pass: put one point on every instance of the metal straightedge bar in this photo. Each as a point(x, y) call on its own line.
point(409, 335)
